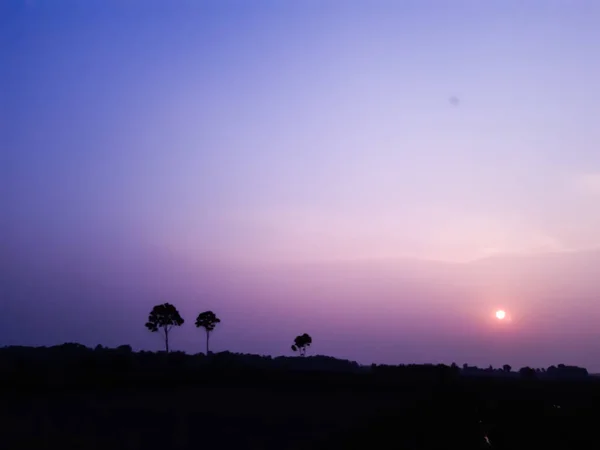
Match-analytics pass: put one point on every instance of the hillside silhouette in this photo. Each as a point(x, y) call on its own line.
point(72, 396)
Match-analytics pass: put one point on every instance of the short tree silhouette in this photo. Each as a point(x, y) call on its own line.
point(163, 318)
point(207, 320)
point(527, 372)
point(506, 368)
point(301, 343)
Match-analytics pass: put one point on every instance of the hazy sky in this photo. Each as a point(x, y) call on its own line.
point(302, 166)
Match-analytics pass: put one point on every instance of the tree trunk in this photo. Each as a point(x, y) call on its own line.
point(167, 340)
point(207, 339)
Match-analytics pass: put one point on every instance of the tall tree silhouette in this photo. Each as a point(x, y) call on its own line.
point(207, 320)
point(301, 343)
point(163, 318)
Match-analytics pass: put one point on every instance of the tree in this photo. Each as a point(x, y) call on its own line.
point(207, 320)
point(527, 372)
point(506, 368)
point(163, 318)
point(301, 343)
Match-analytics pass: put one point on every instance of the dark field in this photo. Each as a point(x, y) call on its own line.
point(237, 407)
point(187, 418)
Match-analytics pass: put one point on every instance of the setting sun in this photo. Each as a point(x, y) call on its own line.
point(500, 314)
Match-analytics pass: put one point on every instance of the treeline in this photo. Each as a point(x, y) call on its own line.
point(560, 371)
point(75, 355)
point(72, 364)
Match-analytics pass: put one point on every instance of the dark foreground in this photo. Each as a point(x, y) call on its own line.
point(173, 406)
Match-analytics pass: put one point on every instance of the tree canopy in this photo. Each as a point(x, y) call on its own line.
point(163, 318)
point(301, 343)
point(207, 320)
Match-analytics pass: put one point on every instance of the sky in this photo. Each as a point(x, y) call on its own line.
point(383, 175)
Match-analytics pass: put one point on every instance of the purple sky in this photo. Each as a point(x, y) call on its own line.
point(300, 167)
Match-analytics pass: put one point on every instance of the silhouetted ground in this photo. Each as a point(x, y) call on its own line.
point(77, 398)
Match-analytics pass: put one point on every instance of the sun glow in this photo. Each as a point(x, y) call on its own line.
point(500, 314)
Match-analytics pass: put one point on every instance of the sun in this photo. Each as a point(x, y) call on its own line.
point(500, 314)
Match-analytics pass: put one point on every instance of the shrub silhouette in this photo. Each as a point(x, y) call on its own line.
point(163, 318)
point(207, 320)
point(527, 372)
point(301, 343)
